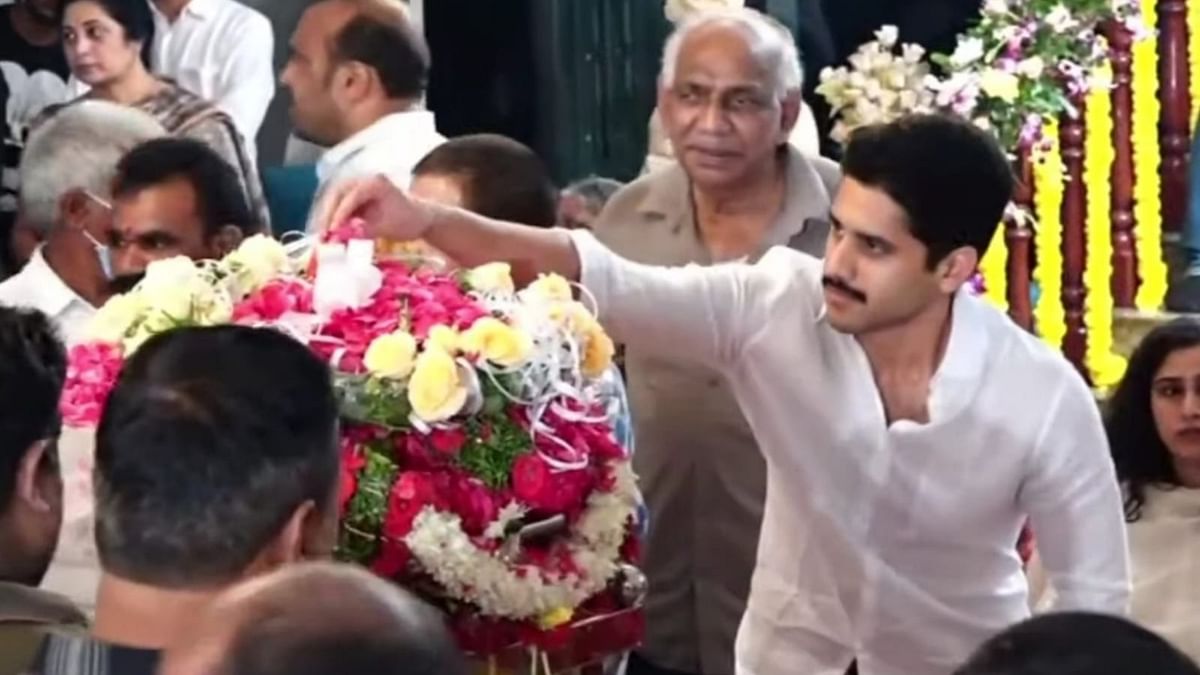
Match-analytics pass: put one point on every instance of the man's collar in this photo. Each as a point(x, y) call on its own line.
point(669, 198)
point(200, 9)
point(384, 131)
point(19, 603)
point(49, 292)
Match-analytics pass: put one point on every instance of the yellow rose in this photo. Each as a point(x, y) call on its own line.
point(258, 260)
point(999, 84)
point(497, 342)
point(444, 338)
point(391, 355)
point(492, 278)
point(555, 618)
point(436, 391)
point(598, 350)
point(113, 321)
point(552, 287)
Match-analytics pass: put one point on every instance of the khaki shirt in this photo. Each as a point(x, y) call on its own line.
point(26, 614)
point(701, 472)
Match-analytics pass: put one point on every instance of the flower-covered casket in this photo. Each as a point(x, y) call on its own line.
point(480, 468)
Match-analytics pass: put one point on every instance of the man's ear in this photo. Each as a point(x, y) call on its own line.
point(73, 207)
point(30, 488)
point(227, 239)
point(956, 268)
point(789, 113)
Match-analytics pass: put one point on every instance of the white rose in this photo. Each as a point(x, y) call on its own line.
point(995, 7)
point(1060, 19)
point(113, 321)
point(887, 36)
point(1031, 67)
point(968, 51)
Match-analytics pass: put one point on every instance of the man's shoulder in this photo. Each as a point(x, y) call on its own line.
point(652, 196)
point(27, 605)
point(14, 291)
point(1023, 359)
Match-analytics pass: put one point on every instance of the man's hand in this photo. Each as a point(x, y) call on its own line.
point(385, 210)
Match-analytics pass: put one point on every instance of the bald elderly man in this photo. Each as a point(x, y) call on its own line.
point(316, 619)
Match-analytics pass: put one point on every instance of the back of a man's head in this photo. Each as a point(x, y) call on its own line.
point(77, 148)
point(1077, 643)
point(382, 36)
point(215, 443)
point(32, 368)
point(494, 176)
point(318, 619)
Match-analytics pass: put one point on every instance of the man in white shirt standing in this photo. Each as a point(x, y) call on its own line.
point(66, 174)
point(909, 428)
point(220, 50)
point(358, 74)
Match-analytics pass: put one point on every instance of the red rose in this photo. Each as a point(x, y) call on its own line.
point(530, 478)
point(349, 484)
point(448, 441)
point(393, 559)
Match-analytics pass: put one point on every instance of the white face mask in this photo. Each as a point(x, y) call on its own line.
point(103, 251)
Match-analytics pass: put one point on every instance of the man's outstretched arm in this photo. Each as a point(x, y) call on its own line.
point(694, 312)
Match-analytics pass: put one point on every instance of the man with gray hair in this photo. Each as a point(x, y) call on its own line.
point(729, 96)
point(65, 177)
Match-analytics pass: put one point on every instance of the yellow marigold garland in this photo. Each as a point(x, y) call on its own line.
point(1152, 268)
point(1193, 22)
point(1048, 178)
point(994, 269)
point(1105, 366)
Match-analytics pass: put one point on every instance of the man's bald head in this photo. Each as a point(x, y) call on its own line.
point(317, 619)
point(352, 62)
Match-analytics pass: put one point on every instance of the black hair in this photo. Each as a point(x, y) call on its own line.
point(1077, 643)
point(210, 441)
point(220, 199)
point(501, 178)
point(135, 18)
point(384, 39)
point(1140, 455)
point(345, 622)
point(33, 366)
point(951, 178)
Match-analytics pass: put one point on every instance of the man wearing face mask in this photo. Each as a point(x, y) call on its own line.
point(65, 174)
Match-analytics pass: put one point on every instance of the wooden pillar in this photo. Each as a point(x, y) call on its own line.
point(1018, 236)
point(1175, 121)
point(1074, 242)
point(1124, 258)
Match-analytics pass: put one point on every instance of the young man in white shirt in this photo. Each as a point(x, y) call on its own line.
point(66, 174)
point(909, 428)
point(358, 74)
point(221, 50)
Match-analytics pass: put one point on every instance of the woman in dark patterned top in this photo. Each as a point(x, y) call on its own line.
point(107, 43)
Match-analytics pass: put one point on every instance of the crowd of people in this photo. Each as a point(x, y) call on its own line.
point(839, 445)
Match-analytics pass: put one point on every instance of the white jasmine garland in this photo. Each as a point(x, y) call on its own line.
point(499, 589)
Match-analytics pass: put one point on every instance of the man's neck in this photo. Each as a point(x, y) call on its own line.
point(171, 9)
point(369, 116)
point(69, 266)
point(914, 347)
point(732, 222)
point(144, 617)
point(35, 32)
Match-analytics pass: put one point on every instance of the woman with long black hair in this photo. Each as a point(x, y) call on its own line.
point(1153, 425)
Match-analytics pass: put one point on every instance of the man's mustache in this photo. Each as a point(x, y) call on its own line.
point(124, 283)
point(837, 284)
